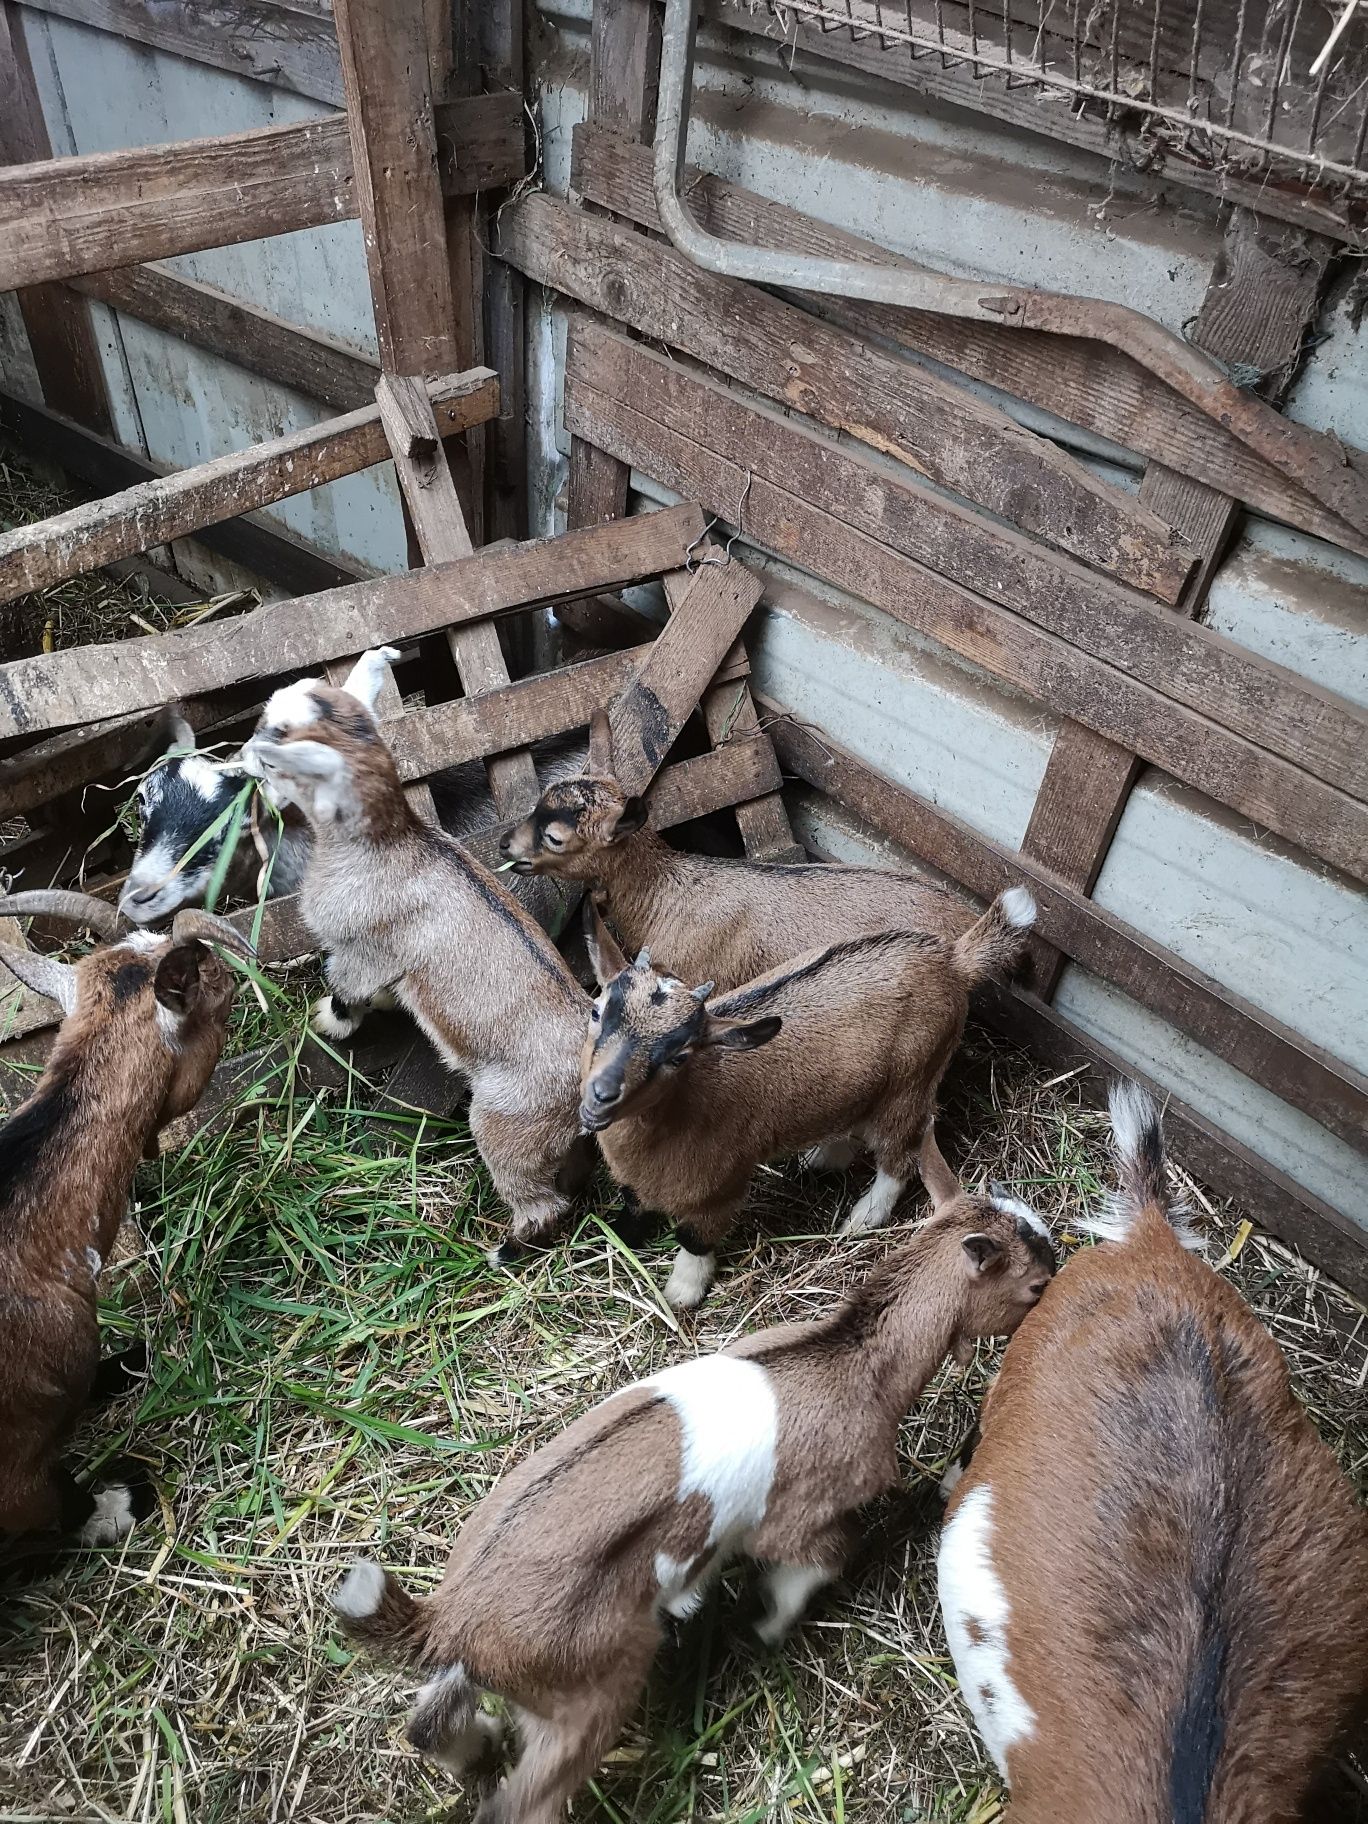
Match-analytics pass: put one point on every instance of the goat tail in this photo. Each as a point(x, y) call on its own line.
point(1138, 1136)
point(996, 943)
point(375, 1609)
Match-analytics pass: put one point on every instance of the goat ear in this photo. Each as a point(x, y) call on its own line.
point(177, 981)
point(602, 946)
point(746, 1035)
point(942, 1186)
point(981, 1251)
point(312, 760)
point(600, 744)
point(366, 679)
point(43, 975)
point(179, 734)
point(630, 818)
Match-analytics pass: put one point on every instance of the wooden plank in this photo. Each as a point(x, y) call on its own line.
point(260, 343)
point(505, 315)
point(60, 332)
point(85, 683)
point(646, 719)
point(108, 209)
point(180, 504)
point(1262, 1047)
point(937, 427)
point(1084, 383)
point(785, 520)
point(421, 465)
point(284, 560)
point(279, 45)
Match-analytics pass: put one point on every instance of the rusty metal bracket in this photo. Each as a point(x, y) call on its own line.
point(1316, 462)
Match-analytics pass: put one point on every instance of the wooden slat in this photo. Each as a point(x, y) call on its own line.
point(260, 343)
point(693, 457)
point(1262, 1047)
point(54, 690)
point(109, 209)
point(278, 45)
point(505, 313)
point(938, 428)
point(180, 504)
point(1084, 383)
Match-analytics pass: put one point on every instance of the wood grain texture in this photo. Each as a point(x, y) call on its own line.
point(178, 505)
point(935, 426)
point(1084, 383)
point(88, 683)
point(69, 216)
point(693, 457)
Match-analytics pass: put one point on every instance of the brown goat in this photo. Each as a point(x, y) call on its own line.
point(557, 1592)
point(855, 1040)
point(711, 916)
point(1199, 1639)
point(144, 1027)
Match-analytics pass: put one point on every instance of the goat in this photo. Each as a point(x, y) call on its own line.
point(557, 1592)
point(143, 1027)
point(710, 916)
point(1201, 1637)
point(403, 911)
point(183, 796)
point(856, 1038)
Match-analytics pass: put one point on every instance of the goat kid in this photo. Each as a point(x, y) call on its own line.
point(557, 1592)
point(143, 1029)
point(403, 912)
point(1201, 1640)
point(856, 1038)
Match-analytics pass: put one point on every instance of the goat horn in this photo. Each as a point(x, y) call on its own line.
point(194, 922)
point(703, 990)
point(643, 960)
point(77, 908)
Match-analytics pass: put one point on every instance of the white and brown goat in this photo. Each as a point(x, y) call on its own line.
point(144, 1027)
point(855, 1038)
point(558, 1590)
point(1153, 1573)
point(403, 912)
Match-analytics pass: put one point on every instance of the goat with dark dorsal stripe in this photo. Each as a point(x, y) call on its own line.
point(558, 1590)
point(689, 1093)
point(1202, 1638)
point(144, 1027)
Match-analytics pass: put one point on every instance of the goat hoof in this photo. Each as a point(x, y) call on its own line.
point(689, 1280)
point(118, 1375)
point(334, 1019)
point(119, 1504)
point(507, 1254)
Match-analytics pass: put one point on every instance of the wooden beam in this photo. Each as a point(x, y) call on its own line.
point(285, 561)
point(279, 45)
point(69, 216)
point(255, 340)
point(505, 305)
point(703, 443)
point(1263, 1048)
point(938, 428)
point(89, 683)
point(1096, 388)
point(179, 505)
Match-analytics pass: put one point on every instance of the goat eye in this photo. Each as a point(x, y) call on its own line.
point(593, 1016)
point(552, 841)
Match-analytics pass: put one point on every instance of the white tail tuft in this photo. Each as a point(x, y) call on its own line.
point(1019, 908)
point(360, 1594)
point(1132, 1116)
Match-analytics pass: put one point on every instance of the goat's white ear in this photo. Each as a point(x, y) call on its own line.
point(601, 744)
point(179, 734)
point(604, 953)
point(366, 678)
point(981, 1252)
point(43, 974)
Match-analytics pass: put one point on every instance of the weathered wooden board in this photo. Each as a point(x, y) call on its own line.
point(307, 362)
point(54, 690)
point(109, 209)
point(180, 504)
point(1267, 1051)
point(696, 461)
point(1096, 388)
point(938, 428)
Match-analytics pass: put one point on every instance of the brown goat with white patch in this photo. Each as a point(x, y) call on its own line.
point(144, 1027)
point(403, 911)
point(558, 1590)
point(1154, 1575)
point(855, 1038)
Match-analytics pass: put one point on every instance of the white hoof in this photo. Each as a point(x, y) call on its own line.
point(113, 1517)
point(689, 1280)
point(331, 1024)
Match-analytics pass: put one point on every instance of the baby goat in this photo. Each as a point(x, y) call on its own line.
point(856, 1038)
point(1200, 1639)
point(556, 1594)
point(144, 1026)
point(708, 915)
point(402, 910)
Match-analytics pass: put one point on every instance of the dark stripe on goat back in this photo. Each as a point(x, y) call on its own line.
point(529, 934)
point(24, 1136)
point(749, 999)
point(1199, 1730)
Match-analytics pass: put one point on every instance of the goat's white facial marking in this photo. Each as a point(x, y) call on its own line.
point(361, 1591)
point(202, 775)
point(728, 1421)
point(976, 1613)
point(1013, 1206)
point(292, 706)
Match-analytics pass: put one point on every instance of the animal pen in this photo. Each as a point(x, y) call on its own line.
point(933, 432)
